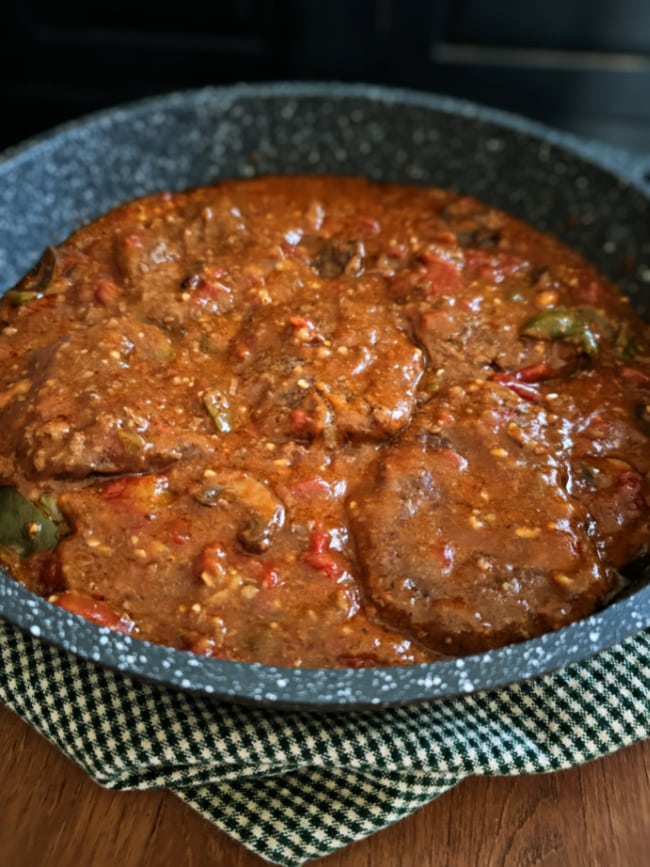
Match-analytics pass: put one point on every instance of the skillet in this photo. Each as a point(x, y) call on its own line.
point(596, 198)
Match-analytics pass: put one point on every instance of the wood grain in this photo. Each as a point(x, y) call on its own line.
point(53, 815)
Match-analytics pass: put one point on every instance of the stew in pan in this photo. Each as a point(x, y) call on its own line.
point(320, 421)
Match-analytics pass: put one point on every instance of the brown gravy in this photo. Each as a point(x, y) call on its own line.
point(319, 421)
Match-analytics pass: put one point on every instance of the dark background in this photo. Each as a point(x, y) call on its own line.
point(582, 65)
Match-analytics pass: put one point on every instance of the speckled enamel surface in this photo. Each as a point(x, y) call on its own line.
point(595, 198)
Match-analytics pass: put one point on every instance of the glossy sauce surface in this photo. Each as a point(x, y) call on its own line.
point(323, 422)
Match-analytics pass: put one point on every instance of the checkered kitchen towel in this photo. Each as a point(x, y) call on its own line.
point(297, 786)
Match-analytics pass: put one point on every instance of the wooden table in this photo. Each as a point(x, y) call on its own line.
point(53, 815)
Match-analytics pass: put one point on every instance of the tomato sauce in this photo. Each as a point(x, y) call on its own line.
point(320, 421)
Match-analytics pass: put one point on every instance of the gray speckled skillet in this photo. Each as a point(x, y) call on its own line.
point(595, 198)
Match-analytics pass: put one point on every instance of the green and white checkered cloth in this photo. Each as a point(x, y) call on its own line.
point(294, 786)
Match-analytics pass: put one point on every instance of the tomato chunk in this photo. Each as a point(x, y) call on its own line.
point(520, 388)
point(94, 610)
point(319, 541)
point(325, 563)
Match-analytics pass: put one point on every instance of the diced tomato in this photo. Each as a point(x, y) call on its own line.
point(106, 293)
point(630, 486)
point(636, 376)
point(319, 540)
point(479, 260)
point(395, 250)
point(180, 535)
point(205, 276)
point(206, 288)
point(318, 555)
point(306, 330)
point(301, 322)
point(299, 422)
point(133, 241)
point(245, 346)
point(94, 610)
point(492, 265)
point(205, 293)
point(442, 278)
point(116, 489)
point(434, 277)
point(160, 427)
point(371, 224)
point(211, 564)
point(134, 497)
point(291, 251)
point(270, 576)
point(309, 488)
point(445, 416)
point(535, 372)
point(521, 381)
point(325, 563)
point(522, 389)
point(443, 555)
